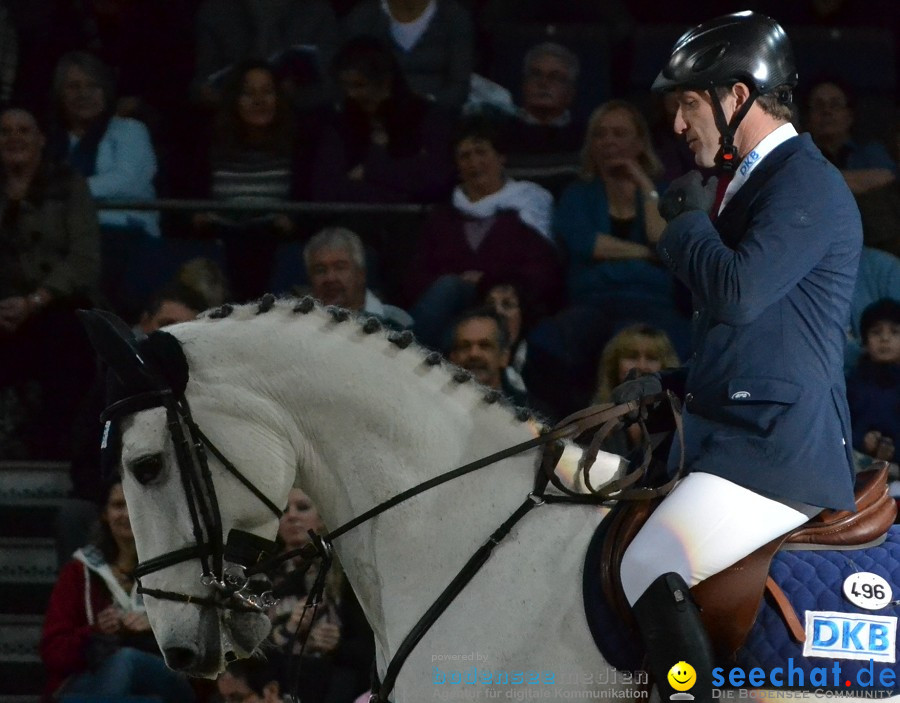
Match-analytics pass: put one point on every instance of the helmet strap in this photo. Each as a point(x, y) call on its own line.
point(728, 157)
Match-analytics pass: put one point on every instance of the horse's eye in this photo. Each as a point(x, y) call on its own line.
point(147, 468)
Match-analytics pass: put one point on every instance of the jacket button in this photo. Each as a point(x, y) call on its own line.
point(696, 314)
point(688, 399)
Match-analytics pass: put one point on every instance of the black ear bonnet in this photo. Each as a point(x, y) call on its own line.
point(139, 374)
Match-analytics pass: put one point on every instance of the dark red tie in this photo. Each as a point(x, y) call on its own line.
point(721, 187)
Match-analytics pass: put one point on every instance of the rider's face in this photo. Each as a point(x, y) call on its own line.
point(696, 122)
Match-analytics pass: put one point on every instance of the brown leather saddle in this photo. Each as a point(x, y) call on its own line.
point(730, 600)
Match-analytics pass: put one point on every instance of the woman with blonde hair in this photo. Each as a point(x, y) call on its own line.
point(608, 219)
point(335, 664)
point(608, 224)
point(114, 154)
point(642, 347)
point(646, 158)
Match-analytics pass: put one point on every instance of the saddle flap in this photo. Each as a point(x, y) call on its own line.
point(626, 522)
point(729, 600)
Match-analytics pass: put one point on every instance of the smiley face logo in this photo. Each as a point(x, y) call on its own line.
point(682, 676)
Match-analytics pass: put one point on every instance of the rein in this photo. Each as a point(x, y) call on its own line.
point(229, 567)
point(617, 489)
point(608, 417)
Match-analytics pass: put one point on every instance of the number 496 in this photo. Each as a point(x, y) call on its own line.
point(867, 590)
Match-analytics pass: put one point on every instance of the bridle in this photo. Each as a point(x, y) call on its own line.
point(235, 569)
point(223, 562)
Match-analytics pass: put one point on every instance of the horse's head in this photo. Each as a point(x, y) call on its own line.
point(199, 524)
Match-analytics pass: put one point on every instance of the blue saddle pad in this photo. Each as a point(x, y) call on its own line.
point(813, 583)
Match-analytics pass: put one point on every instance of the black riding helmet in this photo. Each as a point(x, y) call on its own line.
point(742, 47)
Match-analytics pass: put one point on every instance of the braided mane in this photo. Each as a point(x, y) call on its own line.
point(370, 326)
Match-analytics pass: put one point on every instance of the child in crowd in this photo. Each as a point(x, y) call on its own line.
point(873, 388)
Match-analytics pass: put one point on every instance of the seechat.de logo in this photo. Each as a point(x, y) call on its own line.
point(850, 636)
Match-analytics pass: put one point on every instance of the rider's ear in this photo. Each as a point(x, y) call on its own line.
point(741, 94)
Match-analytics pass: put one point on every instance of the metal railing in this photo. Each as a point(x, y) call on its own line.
point(287, 207)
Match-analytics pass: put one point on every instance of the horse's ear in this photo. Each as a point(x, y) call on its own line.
point(116, 346)
point(163, 352)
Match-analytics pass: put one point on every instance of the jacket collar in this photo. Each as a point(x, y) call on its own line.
point(774, 160)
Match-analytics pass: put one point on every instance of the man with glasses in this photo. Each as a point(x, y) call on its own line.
point(829, 118)
point(544, 122)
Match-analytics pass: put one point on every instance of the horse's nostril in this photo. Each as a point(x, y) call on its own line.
point(180, 658)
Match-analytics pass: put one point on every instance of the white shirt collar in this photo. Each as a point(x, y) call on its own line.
point(755, 157)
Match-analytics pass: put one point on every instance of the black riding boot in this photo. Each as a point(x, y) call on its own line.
point(672, 631)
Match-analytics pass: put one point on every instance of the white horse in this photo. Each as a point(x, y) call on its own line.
point(301, 398)
point(292, 398)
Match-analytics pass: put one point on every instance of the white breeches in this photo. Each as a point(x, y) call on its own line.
point(703, 526)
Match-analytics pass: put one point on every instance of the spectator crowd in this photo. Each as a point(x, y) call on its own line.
point(485, 173)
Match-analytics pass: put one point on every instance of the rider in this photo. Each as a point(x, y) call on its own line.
point(772, 271)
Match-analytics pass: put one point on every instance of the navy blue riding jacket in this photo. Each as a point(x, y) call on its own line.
point(765, 401)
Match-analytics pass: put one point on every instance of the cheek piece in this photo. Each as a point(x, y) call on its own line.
point(728, 157)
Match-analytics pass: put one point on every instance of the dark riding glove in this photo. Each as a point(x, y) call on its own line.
point(636, 387)
point(686, 193)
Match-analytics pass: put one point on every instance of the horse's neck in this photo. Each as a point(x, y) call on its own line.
point(365, 420)
point(387, 422)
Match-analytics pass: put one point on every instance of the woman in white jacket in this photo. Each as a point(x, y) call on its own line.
point(115, 154)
